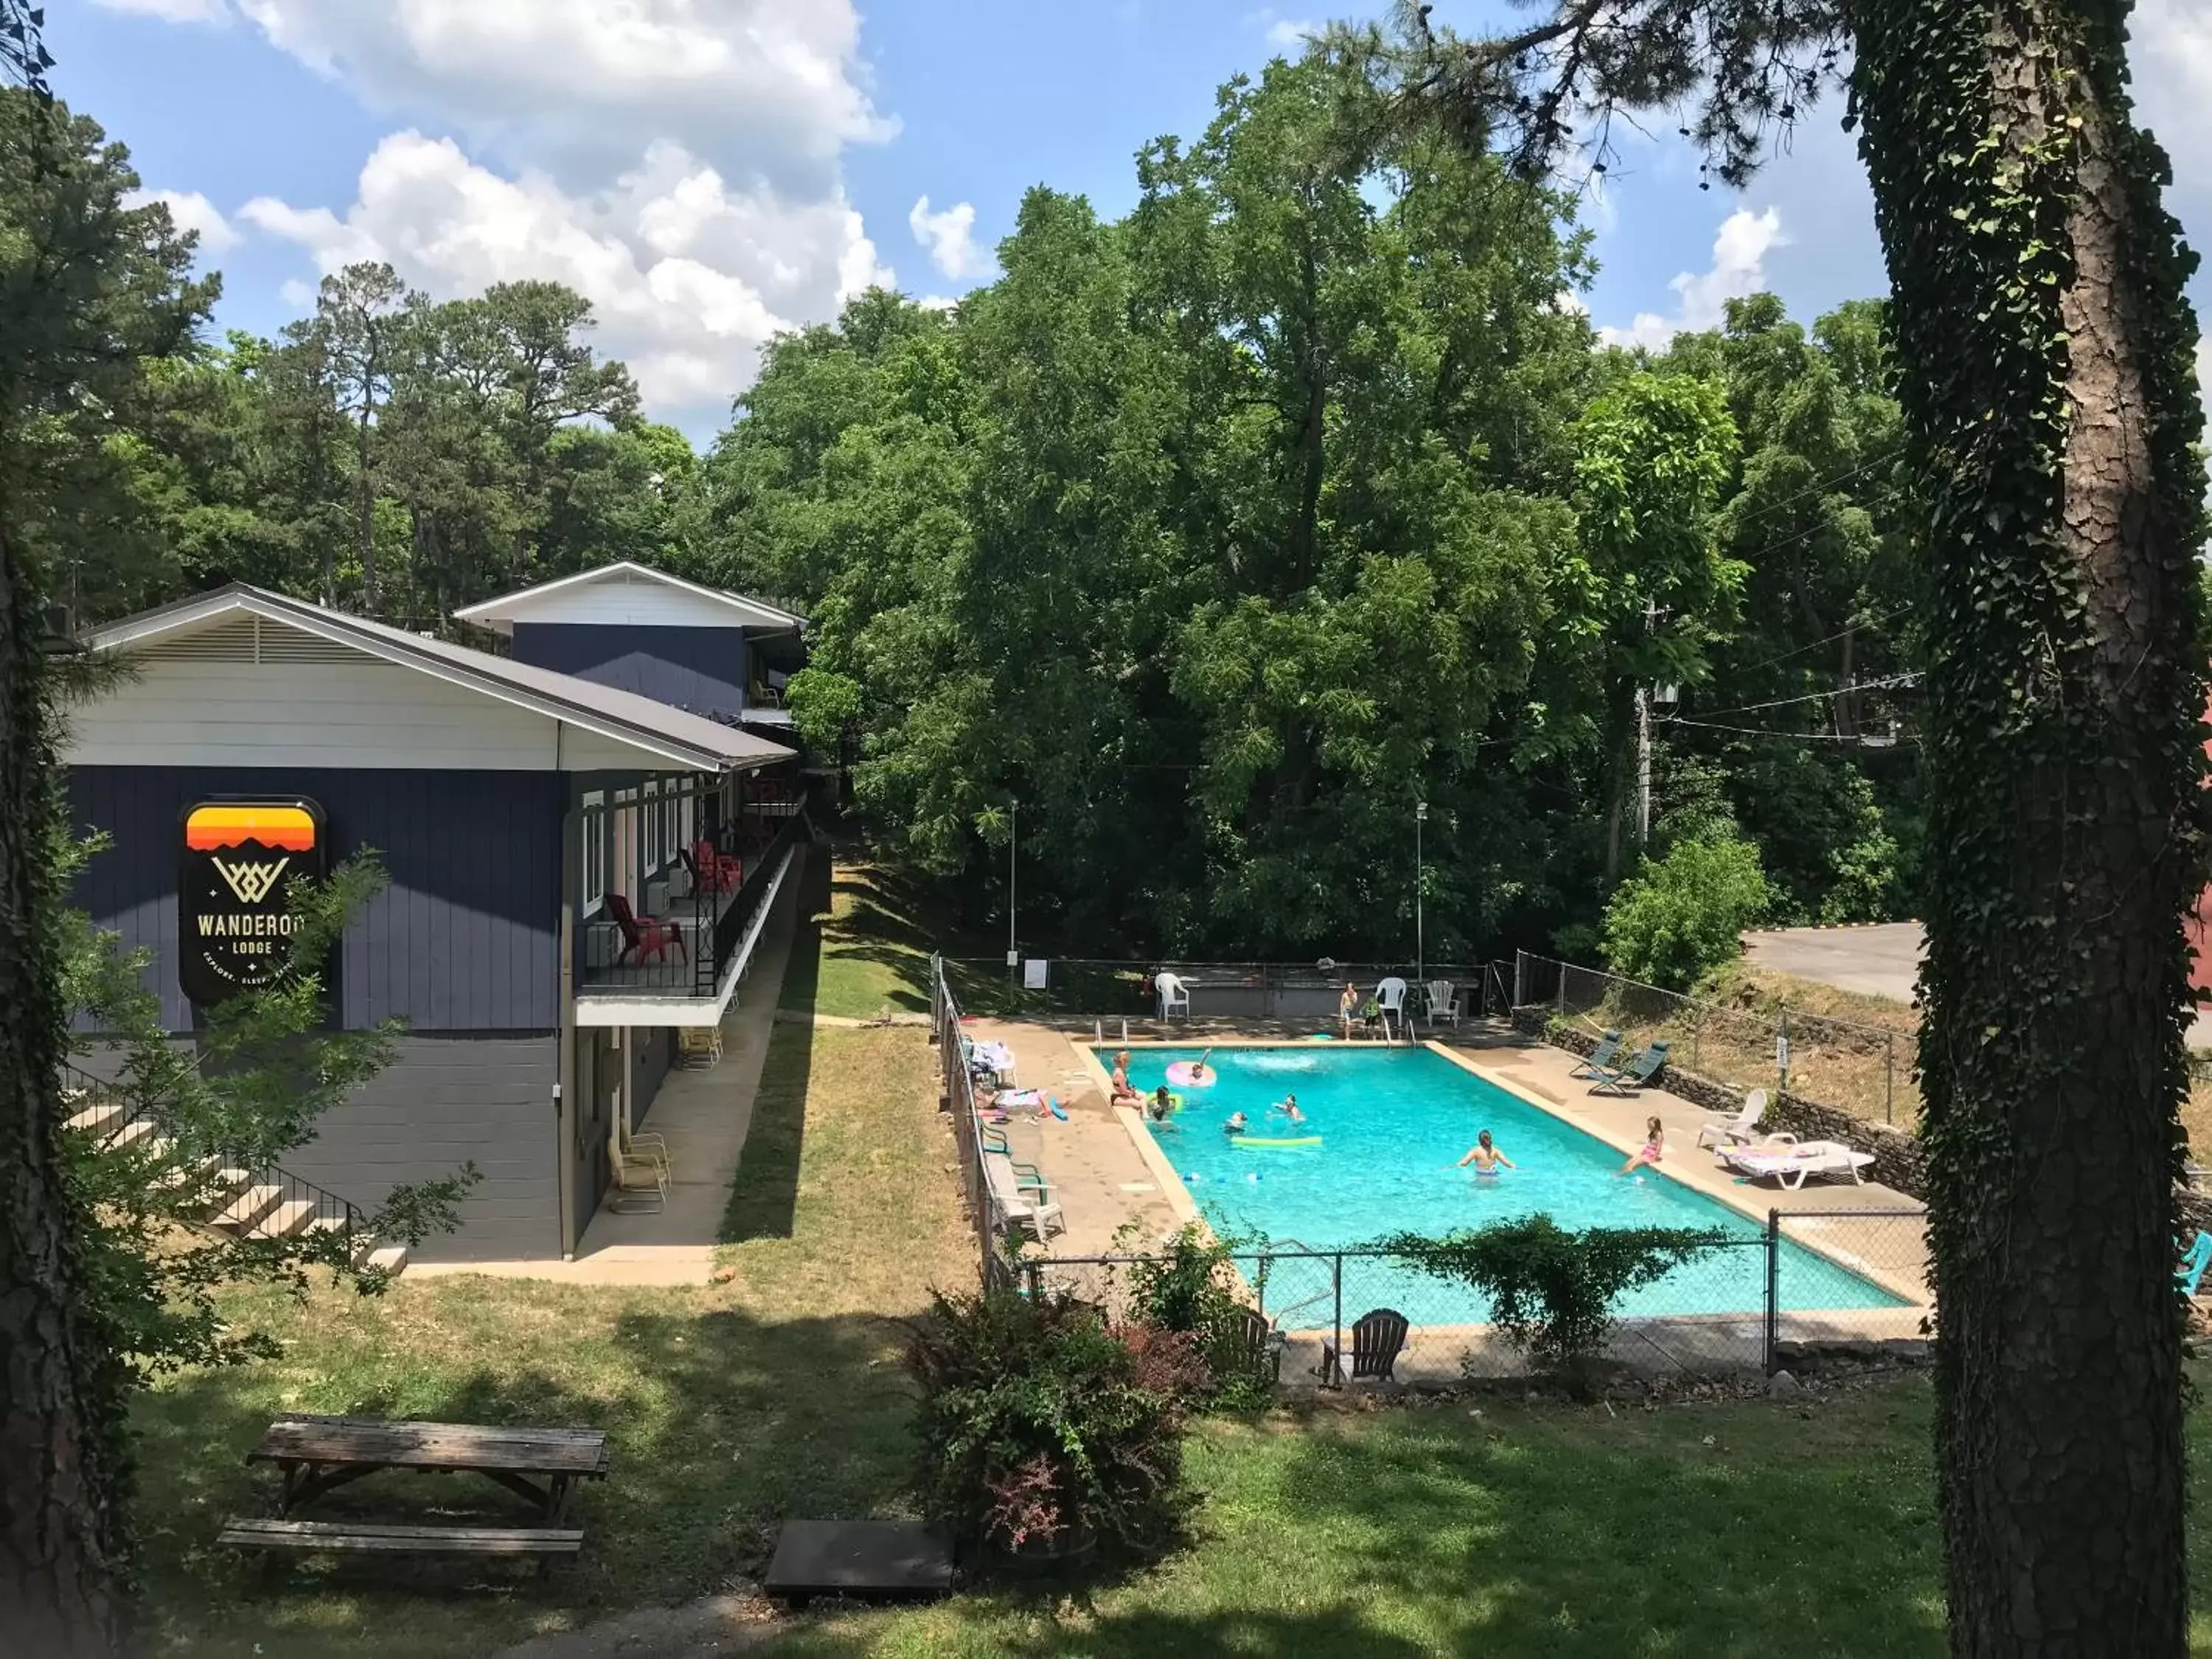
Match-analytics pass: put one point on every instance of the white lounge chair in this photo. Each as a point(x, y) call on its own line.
point(1014, 1207)
point(1737, 1130)
point(1441, 998)
point(1390, 999)
point(1789, 1163)
point(1173, 994)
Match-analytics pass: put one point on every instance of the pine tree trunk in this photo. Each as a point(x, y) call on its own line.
point(2043, 348)
point(58, 1407)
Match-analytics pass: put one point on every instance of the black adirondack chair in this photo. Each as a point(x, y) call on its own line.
point(1377, 1340)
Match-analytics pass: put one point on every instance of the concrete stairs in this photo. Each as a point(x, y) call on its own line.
point(243, 1203)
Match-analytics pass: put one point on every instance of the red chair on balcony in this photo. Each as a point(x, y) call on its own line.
point(716, 872)
point(647, 939)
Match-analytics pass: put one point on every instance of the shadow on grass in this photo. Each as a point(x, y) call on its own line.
point(719, 1426)
point(763, 1201)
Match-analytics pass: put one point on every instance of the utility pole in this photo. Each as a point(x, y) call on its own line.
point(1643, 767)
point(1420, 939)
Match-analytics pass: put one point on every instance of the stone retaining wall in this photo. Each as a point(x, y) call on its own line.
point(1899, 1163)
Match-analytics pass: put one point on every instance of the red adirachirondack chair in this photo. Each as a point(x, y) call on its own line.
point(644, 937)
point(716, 872)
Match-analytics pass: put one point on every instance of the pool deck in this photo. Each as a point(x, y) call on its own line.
point(1110, 1176)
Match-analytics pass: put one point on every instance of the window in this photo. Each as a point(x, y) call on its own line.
point(593, 826)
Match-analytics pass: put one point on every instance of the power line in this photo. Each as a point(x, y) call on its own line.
point(1824, 485)
point(1864, 740)
point(1851, 627)
point(1815, 697)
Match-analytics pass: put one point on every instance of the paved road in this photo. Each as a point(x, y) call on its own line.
point(1879, 961)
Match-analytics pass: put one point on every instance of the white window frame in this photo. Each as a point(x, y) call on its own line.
point(594, 850)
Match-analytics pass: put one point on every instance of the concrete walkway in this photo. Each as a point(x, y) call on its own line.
point(703, 1116)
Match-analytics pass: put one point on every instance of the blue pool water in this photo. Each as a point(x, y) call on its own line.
point(1393, 1123)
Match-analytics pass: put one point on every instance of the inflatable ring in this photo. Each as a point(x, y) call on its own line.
point(1180, 1072)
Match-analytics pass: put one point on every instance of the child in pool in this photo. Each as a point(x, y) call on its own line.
point(1288, 1106)
point(1236, 1124)
point(1654, 1148)
point(1159, 1105)
point(1485, 1157)
point(1200, 1073)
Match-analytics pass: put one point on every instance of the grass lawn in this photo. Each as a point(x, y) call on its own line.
point(728, 1407)
point(1745, 1529)
point(863, 946)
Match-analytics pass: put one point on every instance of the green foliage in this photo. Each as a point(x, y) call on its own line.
point(1043, 1428)
point(1190, 1287)
point(265, 1069)
point(1679, 917)
point(1552, 1290)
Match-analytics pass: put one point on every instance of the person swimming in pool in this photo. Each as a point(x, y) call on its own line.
point(1288, 1106)
point(1200, 1072)
point(1236, 1124)
point(1485, 1157)
point(1160, 1104)
point(1654, 1148)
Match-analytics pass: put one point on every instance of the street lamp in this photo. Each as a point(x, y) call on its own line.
point(1014, 833)
point(1420, 941)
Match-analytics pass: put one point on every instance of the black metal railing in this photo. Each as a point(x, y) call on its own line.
point(1093, 987)
point(680, 944)
point(220, 1186)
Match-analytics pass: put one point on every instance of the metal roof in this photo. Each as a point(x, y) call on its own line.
point(690, 739)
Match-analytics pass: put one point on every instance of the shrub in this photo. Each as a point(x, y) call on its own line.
point(1044, 1428)
point(1682, 915)
point(1189, 1287)
point(1552, 1291)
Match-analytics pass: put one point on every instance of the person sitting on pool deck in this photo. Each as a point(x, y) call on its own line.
point(1485, 1157)
point(1123, 1089)
point(1237, 1125)
point(1654, 1148)
point(1288, 1106)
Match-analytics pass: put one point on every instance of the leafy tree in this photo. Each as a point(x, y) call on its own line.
point(356, 330)
point(1679, 917)
point(2043, 348)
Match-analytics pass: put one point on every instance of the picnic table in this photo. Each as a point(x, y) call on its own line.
point(319, 1454)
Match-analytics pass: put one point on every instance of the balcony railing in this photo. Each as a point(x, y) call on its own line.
point(681, 947)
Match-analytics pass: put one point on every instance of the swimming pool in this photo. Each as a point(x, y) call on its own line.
point(1392, 1122)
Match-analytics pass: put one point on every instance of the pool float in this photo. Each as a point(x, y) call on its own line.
point(1056, 1108)
point(1180, 1072)
point(1274, 1140)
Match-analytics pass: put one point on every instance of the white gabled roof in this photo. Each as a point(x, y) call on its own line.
point(715, 608)
point(660, 730)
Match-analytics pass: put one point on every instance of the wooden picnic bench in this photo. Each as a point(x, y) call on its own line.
point(319, 1454)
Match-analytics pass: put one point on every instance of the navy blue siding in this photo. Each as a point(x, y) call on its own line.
point(466, 939)
point(700, 669)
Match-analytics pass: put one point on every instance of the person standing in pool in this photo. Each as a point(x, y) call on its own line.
point(1485, 1157)
point(1288, 1106)
point(1160, 1104)
point(1237, 1125)
point(1654, 1148)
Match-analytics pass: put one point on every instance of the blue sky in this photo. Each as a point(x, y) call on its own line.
point(708, 171)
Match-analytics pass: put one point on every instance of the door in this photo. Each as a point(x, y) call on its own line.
point(598, 1082)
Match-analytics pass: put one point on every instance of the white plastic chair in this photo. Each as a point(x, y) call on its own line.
point(1173, 994)
point(1443, 999)
point(1390, 1000)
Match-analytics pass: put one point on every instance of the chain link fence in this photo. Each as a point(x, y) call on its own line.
point(1105, 990)
point(1806, 1283)
point(956, 1079)
point(1864, 1070)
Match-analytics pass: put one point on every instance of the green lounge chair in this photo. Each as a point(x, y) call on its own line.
point(1627, 1079)
point(1599, 1060)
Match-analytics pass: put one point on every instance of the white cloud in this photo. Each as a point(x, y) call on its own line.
point(190, 210)
point(575, 84)
point(173, 11)
point(1292, 33)
point(949, 236)
point(2171, 65)
point(688, 276)
point(937, 302)
point(1738, 269)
